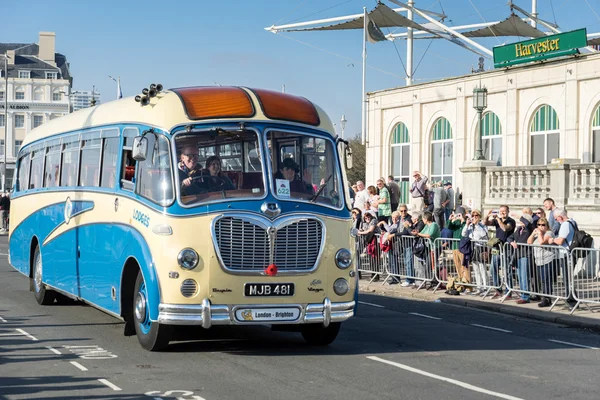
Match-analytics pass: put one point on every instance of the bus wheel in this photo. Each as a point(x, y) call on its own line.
point(42, 295)
point(318, 335)
point(151, 335)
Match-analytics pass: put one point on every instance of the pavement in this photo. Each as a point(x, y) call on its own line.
point(582, 318)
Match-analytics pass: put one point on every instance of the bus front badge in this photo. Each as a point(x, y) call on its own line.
point(271, 210)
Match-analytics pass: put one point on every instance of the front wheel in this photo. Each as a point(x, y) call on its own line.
point(151, 335)
point(42, 295)
point(319, 335)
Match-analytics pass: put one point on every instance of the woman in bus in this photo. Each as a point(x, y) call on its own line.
point(216, 180)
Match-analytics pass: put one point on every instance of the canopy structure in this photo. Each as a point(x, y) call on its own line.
point(382, 16)
point(511, 26)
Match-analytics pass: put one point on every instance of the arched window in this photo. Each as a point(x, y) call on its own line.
point(441, 151)
point(400, 159)
point(596, 135)
point(491, 133)
point(545, 136)
point(38, 94)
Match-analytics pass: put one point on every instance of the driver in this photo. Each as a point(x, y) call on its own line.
point(190, 172)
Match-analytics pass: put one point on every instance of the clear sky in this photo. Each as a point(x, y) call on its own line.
point(201, 42)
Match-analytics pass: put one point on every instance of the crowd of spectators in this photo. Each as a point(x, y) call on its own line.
point(436, 212)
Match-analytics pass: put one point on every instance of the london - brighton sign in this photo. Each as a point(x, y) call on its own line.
point(561, 44)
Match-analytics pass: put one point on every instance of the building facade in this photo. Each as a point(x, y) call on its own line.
point(535, 113)
point(33, 90)
point(83, 99)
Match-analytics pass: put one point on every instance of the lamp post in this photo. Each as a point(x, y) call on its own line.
point(343, 124)
point(480, 104)
point(120, 95)
point(5, 119)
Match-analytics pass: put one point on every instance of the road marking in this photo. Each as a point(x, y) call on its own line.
point(81, 367)
point(27, 334)
point(2, 319)
point(492, 328)
point(443, 378)
point(423, 315)
point(52, 349)
point(573, 344)
point(3, 254)
point(370, 304)
point(110, 385)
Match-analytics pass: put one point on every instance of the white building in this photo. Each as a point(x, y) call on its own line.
point(34, 90)
point(83, 99)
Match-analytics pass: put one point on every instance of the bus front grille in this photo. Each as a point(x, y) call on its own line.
point(247, 244)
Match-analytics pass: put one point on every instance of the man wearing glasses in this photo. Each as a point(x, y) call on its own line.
point(190, 172)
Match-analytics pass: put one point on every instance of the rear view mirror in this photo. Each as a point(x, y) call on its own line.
point(348, 157)
point(140, 148)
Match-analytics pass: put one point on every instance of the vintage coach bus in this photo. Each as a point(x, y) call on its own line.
point(191, 206)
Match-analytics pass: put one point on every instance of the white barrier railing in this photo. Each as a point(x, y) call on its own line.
point(520, 269)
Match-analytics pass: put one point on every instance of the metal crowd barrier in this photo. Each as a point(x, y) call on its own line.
point(585, 277)
point(523, 269)
point(538, 270)
point(368, 259)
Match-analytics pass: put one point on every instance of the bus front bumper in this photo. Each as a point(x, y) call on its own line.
point(207, 314)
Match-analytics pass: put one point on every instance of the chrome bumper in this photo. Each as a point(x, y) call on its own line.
point(207, 314)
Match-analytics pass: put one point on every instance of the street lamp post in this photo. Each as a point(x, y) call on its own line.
point(120, 95)
point(343, 124)
point(480, 104)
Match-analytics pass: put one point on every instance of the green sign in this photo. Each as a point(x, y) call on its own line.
point(561, 44)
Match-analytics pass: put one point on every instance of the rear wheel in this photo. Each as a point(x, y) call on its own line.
point(319, 335)
point(151, 335)
point(42, 295)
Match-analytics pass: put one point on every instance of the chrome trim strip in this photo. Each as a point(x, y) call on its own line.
point(207, 315)
point(265, 223)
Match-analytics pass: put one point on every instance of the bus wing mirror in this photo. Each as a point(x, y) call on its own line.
point(140, 148)
point(348, 157)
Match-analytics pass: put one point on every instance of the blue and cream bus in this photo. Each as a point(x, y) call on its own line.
point(119, 206)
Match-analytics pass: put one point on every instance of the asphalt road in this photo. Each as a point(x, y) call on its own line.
point(393, 349)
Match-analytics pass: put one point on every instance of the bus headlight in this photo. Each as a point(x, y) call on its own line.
point(343, 258)
point(187, 258)
point(340, 286)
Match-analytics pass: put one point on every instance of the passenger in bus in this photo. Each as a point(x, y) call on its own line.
point(190, 172)
point(289, 170)
point(216, 180)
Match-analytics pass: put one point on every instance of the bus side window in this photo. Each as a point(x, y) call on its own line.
point(155, 173)
point(128, 164)
point(110, 153)
point(128, 170)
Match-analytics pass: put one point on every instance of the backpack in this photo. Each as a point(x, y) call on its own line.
point(581, 239)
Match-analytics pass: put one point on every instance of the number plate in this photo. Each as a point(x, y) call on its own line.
point(269, 289)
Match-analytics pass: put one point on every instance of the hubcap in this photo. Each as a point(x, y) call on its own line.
point(38, 273)
point(140, 307)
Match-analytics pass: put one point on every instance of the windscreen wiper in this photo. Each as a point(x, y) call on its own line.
point(314, 198)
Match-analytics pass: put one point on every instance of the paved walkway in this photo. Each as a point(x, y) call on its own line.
point(581, 318)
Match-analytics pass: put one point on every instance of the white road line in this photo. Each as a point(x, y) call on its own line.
point(81, 367)
point(370, 304)
point(2, 319)
point(492, 328)
point(573, 344)
point(52, 349)
point(443, 378)
point(110, 385)
point(3, 254)
point(27, 334)
point(423, 315)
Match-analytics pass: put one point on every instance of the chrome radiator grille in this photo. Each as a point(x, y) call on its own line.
point(246, 245)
